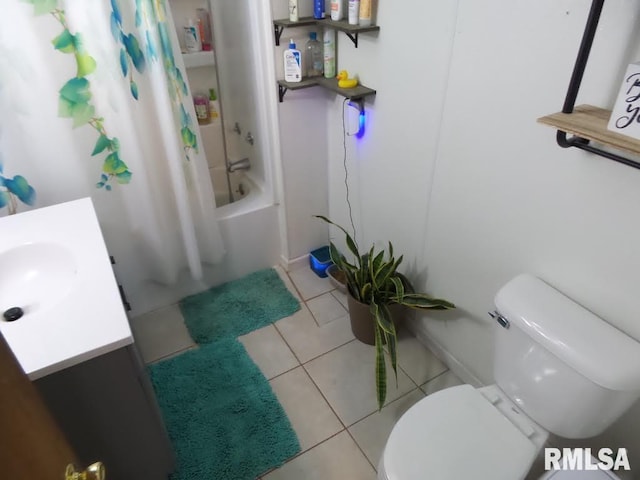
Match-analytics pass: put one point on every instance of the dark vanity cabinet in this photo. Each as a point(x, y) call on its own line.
point(107, 408)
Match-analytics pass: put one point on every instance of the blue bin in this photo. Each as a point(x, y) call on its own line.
point(319, 261)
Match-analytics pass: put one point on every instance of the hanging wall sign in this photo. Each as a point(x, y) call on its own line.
point(625, 117)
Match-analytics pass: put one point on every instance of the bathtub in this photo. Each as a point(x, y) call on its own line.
point(240, 185)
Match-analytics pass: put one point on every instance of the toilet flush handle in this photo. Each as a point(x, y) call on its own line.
point(504, 323)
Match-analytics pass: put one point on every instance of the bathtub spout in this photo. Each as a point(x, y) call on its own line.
point(242, 164)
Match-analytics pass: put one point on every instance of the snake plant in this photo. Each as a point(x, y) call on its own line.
point(372, 278)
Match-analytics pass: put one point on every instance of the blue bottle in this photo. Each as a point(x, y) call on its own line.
point(318, 9)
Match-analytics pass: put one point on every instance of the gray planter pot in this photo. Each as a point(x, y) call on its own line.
point(362, 322)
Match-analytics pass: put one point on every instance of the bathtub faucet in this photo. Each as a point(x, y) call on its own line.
point(242, 164)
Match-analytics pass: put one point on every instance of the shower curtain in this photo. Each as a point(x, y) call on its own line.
point(94, 102)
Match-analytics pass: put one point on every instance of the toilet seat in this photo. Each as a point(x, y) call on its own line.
point(456, 434)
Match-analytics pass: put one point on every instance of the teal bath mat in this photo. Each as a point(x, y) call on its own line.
point(223, 419)
point(238, 307)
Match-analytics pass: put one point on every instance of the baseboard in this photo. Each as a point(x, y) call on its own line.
point(447, 358)
point(295, 263)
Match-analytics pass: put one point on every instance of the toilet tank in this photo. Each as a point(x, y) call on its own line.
point(569, 370)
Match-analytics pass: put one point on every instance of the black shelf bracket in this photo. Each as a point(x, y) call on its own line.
point(278, 29)
point(574, 86)
point(281, 92)
point(353, 37)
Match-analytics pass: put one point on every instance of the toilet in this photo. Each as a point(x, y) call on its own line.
point(558, 368)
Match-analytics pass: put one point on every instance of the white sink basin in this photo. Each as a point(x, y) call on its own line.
point(54, 266)
point(35, 276)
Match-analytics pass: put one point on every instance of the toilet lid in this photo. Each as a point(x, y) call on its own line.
point(456, 434)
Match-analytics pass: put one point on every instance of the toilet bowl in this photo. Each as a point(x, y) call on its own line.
point(558, 369)
point(462, 433)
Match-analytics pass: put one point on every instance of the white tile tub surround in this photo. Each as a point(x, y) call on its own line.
point(241, 185)
point(323, 379)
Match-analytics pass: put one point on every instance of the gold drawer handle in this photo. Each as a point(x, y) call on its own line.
point(95, 471)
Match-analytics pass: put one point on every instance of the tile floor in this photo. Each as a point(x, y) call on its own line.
point(321, 375)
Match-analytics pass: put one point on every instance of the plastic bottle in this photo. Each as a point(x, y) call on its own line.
point(204, 22)
point(192, 37)
point(313, 56)
point(329, 51)
point(292, 63)
point(354, 11)
point(214, 105)
point(364, 17)
point(337, 12)
point(318, 9)
point(293, 10)
point(201, 104)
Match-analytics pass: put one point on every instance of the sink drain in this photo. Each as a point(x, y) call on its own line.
point(13, 314)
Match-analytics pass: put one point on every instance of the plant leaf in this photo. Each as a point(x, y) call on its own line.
point(43, 6)
point(351, 244)
point(4, 198)
point(182, 84)
point(81, 114)
point(113, 165)
point(383, 317)
point(420, 301)
point(189, 138)
point(391, 346)
point(133, 50)
point(19, 186)
point(86, 64)
point(381, 370)
point(398, 286)
point(76, 90)
point(124, 64)
point(116, 30)
point(116, 11)
point(124, 177)
point(65, 42)
point(134, 89)
point(101, 145)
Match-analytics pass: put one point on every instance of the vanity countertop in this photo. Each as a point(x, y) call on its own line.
point(54, 265)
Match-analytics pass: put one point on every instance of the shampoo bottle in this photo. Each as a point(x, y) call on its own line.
point(336, 10)
point(364, 17)
point(318, 9)
point(354, 11)
point(201, 104)
point(214, 105)
point(204, 22)
point(292, 63)
point(192, 40)
point(293, 10)
point(329, 53)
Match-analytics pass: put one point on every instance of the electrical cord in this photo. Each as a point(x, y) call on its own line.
point(344, 164)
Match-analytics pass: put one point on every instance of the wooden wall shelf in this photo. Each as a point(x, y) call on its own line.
point(354, 94)
point(351, 31)
point(590, 123)
point(585, 122)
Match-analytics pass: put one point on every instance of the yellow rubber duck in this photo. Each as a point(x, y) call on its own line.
point(344, 81)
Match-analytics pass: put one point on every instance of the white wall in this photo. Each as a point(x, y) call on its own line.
point(303, 137)
point(457, 173)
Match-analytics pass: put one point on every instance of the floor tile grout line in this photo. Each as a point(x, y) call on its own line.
point(299, 454)
point(324, 397)
point(375, 468)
